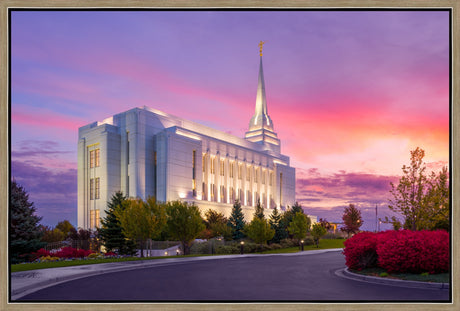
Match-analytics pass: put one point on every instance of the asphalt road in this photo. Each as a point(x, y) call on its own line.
point(308, 278)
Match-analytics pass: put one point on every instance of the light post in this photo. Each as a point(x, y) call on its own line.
point(177, 252)
point(301, 244)
point(242, 247)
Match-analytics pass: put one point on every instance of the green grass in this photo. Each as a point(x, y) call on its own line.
point(423, 277)
point(77, 262)
point(323, 244)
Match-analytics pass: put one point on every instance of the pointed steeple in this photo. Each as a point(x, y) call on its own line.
point(261, 126)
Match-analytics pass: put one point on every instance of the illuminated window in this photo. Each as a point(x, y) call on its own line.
point(94, 188)
point(97, 188)
point(204, 191)
point(204, 163)
point(281, 188)
point(222, 167)
point(271, 179)
point(194, 173)
point(212, 192)
point(94, 158)
point(91, 189)
point(248, 173)
point(94, 218)
point(240, 171)
point(213, 165)
point(222, 194)
point(232, 164)
point(256, 173)
point(232, 195)
point(263, 177)
point(248, 195)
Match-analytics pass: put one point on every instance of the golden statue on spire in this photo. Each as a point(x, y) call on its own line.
point(261, 45)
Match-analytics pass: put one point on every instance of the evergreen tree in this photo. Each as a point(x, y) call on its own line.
point(277, 224)
point(259, 211)
point(25, 234)
point(236, 221)
point(111, 233)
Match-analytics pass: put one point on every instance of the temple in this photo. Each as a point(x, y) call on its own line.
point(145, 152)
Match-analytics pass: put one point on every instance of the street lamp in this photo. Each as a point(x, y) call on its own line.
point(301, 244)
point(242, 247)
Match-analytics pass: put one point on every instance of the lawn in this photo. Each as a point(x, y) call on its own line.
point(379, 272)
point(324, 244)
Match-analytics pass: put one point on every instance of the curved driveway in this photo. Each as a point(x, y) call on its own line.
point(309, 278)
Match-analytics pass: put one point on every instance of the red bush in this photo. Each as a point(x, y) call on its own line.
point(415, 252)
point(399, 251)
point(69, 252)
point(110, 254)
point(40, 253)
point(361, 250)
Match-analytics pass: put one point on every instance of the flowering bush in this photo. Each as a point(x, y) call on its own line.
point(40, 253)
point(69, 252)
point(399, 251)
point(48, 258)
point(66, 252)
point(110, 254)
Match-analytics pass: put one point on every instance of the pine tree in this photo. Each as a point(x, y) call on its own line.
point(25, 233)
point(259, 211)
point(277, 225)
point(236, 221)
point(111, 232)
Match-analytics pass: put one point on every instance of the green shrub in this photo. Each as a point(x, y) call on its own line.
point(384, 274)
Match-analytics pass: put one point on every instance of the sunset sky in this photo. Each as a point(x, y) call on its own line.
point(350, 93)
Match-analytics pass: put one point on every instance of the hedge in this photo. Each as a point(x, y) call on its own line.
point(402, 251)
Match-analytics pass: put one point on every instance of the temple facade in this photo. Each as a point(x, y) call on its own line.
point(145, 152)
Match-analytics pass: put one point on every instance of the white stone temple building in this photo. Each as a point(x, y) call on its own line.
point(145, 152)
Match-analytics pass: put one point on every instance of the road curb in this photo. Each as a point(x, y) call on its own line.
point(380, 280)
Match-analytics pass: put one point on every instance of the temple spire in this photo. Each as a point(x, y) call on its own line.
point(261, 126)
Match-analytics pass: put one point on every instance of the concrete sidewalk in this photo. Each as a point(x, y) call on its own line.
point(27, 282)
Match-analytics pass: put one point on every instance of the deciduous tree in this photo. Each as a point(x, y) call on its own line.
point(184, 223)
point(64, 226)
point(318, 231)
point(352, 220)
point(422, 201)
point(216, 224)
point(141, 220)
point(259, 230)
point(299, 226)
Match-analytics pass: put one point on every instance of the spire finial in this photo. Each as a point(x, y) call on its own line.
point(261, 45)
